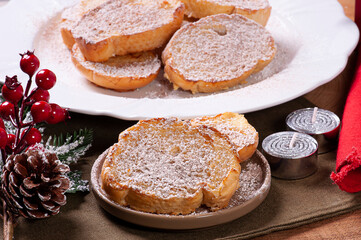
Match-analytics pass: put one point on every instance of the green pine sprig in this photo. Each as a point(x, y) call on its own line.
point(76, 183)
point(71, 147)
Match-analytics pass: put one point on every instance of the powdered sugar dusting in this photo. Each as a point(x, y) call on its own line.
point(219, 48)
point(244, 4)
point(72, 15)
point(238, 130)
point(125, 17)
point(251, 184)
point(133, 65)
point(250, 181)
point(170, 158)
point(50, 48)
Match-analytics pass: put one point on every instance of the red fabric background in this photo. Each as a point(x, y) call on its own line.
point(348, 162)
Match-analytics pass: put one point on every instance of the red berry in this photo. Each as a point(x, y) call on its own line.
point(41, 95)
point(3, 138)
point(2, 125)
point(33, 136)
point(29, 63)
point(40, 111)
point(45, 79)
point(7, 110)
point(11, 140)
point(12, 95)
point(57, 114)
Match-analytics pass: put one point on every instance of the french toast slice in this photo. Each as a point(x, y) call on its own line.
point(120, 27)
point(236, 127)
point(166, 165)
point(217, 52)
point(120, 73)
point(71, 16)
point(257, 10)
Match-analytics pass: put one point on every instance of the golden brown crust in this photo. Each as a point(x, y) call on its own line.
point(214, 191)
point(67, 37)
point(204, 8)
point(120, 82)
point(261, 16)
point(179, 81)
point(176, 54)
point(72, 15)
point(236, 127)
point(138, 200)
point(118, 44)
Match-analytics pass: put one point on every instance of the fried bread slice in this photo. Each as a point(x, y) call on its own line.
point(71, 16)
point(120, 27)
point(120, 73)
point(168, 166)
point(257, 10)
point(217, 52)
point(236, 127)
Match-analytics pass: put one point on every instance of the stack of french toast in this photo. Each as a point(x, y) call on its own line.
point(205, 45)
point(173, 166)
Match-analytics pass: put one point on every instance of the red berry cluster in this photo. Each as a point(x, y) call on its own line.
point(17, 100)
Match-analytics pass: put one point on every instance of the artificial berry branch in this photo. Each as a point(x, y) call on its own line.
point(26, 177)
point(17, 100)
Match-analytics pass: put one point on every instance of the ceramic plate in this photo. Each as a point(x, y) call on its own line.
point(313, 38)
point(255, 182)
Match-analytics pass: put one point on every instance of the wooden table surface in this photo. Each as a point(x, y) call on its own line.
point(329, 96)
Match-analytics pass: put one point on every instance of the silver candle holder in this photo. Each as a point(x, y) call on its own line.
point(291, 155)
point(322, 124)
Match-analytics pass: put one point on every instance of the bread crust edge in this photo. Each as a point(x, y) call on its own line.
point(100, 51)
point(204, 8)
point(117, 83)
point(179, 81)
point(214, 198)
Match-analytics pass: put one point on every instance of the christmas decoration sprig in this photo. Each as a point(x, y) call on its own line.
point(35, 176)
point(69, 148)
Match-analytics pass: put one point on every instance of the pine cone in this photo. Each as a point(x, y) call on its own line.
point(34, 184)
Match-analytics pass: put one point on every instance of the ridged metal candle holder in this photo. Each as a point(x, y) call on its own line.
point(291, 155)
point(321, 124)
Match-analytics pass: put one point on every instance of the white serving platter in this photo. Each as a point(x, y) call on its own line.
point(314, 40)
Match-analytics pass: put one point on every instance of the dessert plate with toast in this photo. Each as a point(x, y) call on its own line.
point(195, 60)
point(183, 174)
point(245, 200)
